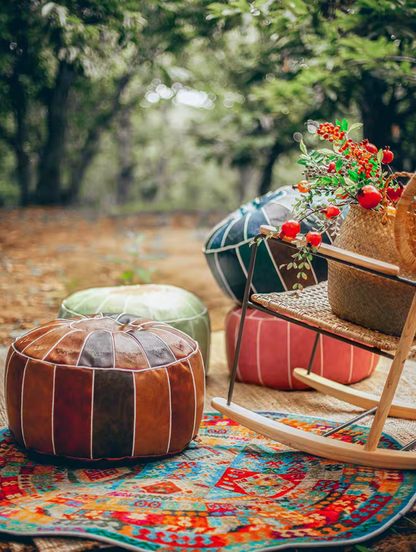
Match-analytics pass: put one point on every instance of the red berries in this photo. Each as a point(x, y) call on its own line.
point(331, 212)
point(331, 167)
point(290, 229)
point(304, 186)
point(313, 239)
point(388, 155)
point(394, 194)
point(371, 148)
point(331, 132)
point(369, 197)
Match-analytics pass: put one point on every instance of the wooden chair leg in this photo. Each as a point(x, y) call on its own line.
point(393, 379)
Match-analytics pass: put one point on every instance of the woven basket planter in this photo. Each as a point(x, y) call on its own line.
point(273, 348)
point(363, 298)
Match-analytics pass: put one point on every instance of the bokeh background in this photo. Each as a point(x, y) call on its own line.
point(128, 128)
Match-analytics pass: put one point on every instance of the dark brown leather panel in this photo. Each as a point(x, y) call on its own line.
point(72, 411)
point(15, 372)
point(152, 412)
point(113, 414)
point(37, 406)
point(157, 351)
point(98, 350)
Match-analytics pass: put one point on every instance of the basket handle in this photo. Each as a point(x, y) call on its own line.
point(400, 226)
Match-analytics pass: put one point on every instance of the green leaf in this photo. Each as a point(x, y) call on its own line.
point(363, 548)
point(355, 126)
point(325, 151)
point(127, 276)
point(338, 165)
point(338, 123)
point(302, 162)
point(380, 156)
point(303, 147)
point(344, 125)
point(353, 175)
point(144, 275)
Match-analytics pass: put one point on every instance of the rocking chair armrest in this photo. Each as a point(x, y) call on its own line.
point(329, 251)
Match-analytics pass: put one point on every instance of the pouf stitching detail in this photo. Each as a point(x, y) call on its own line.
point(167, 453)
point(160, 347)
point(202, 313)
point(192, 318)
point(226, 247)
point(101, 369)
point(236, 314)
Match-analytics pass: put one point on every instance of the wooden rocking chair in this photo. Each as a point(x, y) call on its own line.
point(320, 319)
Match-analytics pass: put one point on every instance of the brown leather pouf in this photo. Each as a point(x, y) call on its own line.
point(105, 387)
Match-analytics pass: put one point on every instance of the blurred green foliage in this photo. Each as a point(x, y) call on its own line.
point(161, 104)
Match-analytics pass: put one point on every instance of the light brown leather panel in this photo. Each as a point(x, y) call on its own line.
point(152, 412)
point(183, 405)
point(179, 347)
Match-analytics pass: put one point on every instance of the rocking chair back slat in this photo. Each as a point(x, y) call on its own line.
point(347, 256)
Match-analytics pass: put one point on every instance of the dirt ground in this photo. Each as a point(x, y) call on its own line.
point(47, 254)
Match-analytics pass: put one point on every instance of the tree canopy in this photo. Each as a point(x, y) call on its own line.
point(98, 87)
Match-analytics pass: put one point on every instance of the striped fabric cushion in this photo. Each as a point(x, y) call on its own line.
point(272, 348)
point(228, 248)
point(175, 306)
point(105, 387)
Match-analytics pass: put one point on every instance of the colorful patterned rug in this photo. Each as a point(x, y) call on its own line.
point(231, 491)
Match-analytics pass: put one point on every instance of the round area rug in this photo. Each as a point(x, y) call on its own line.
point(231, 490)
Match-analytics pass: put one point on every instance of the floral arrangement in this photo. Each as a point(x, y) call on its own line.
point(335, 178)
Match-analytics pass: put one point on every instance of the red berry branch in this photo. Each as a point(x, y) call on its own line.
point(335, 177)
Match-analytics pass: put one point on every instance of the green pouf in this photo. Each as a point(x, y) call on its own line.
point(170, 304)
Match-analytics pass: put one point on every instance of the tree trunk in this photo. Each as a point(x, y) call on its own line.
point(245, 173)
point(48, 190)
point(92, 142)
point(267, 175)
point(19, 141)
point(23, 176)
point(125, 140)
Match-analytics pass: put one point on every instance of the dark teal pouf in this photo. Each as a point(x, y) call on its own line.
point(228, 247)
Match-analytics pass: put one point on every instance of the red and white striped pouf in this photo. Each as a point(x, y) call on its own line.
point(272, 349)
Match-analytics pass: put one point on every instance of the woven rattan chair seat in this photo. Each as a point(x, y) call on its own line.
point(312, 306)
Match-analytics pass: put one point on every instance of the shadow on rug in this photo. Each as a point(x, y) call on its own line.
point(231, 490)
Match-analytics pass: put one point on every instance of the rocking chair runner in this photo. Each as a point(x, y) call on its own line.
point(312, 310)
